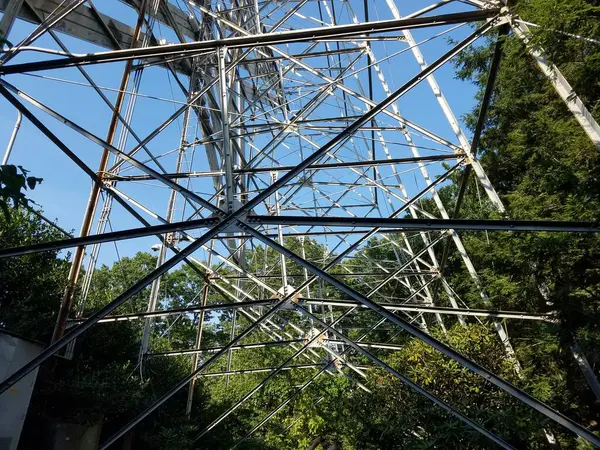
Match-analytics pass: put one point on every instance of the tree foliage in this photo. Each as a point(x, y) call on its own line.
point(31, 285)
point(14, 180)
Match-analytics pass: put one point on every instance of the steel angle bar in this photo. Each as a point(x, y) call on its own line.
point(301, 55)
point(411, 384)
point(233, 347)
point(188, 310)
point(560, 83)
point(448, 113)
point(198, 338)
point(547, 317)
point(198, 47)
point(358, 274)
point(8, 17)
point(256, 170)
point(429, 224)
point(112, 236)
point(12, 138)
point(438, 345)
point(481, 120)
point(265, 369)
point(390, 224)
point(374, 345)
point(226, 151)
point(162, 253)
point(31, 117)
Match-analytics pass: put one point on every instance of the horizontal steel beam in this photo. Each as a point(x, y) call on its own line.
point(233, 347)
point(254, 170)
point(189, 310)
point(429, 224)
point(259, 40)
point(375, 345)
point(269, 369)
point(109, 237)
point(387, 223)
point(349, 274)
point(546, 317)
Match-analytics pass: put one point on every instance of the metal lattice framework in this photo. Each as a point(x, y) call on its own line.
point(294, 123)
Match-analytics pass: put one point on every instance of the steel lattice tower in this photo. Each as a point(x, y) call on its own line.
point(297, 121)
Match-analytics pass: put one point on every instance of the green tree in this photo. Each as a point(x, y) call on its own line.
point(31, 286)
point(544, 167)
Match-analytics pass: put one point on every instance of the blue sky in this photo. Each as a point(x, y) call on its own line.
point(65, 189)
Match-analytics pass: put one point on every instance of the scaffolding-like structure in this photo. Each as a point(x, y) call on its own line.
point(290, 129)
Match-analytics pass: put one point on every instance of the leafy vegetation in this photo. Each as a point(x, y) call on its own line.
point(13, 182)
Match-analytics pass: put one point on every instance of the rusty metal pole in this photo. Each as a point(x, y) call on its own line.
point(69, 294)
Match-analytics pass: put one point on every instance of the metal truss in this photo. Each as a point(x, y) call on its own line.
point(289, 132)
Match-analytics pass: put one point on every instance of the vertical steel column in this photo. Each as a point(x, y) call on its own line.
point(231, 337)
point(481, 119)
point(227, 161)
point(586, 369)
point(162, 255)
point(227, 156)
point(277, 208)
